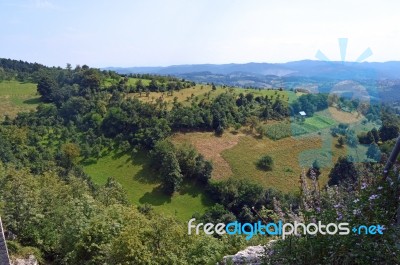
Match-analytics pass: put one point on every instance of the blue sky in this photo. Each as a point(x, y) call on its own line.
point(159, 33)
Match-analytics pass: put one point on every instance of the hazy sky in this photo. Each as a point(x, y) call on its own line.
point(165, 32)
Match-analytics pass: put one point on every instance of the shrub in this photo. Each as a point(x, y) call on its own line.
point(278, 131)
point(265, 162)
point(370, 203)
point(219, 131)
point(343, 171)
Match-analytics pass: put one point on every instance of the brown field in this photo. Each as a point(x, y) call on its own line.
point(236, 156)
point(345, 117)
point(211, 147)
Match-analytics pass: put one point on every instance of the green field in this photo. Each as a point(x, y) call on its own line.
point(140, 182)
point(235, 155)
point(313, 124)
point(318, 122)
point(132, 81)
point(286, 153)
point(16, 97)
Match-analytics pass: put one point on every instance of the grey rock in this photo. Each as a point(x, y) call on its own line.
point(31, 260)
point(250, 256)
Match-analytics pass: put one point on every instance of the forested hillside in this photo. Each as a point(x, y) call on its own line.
point(103, 166)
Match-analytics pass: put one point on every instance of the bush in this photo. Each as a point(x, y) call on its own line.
point(343, 171)
point(219, 131)
point(18, 251)
point(265, 163)
point(370, 203)
point(278, 131)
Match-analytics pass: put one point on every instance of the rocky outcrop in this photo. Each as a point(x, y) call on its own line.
point(250, 256)
point(31, 260)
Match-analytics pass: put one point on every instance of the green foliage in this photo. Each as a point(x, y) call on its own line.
point(216, 214)
point(315, 170)
point(193, 165)
point(203, 170)
point(238, 196)
point(46, 86)
point(371, 203)
point(278, 131)
point(219, 131)
point(156, 83)
point(343, 171)
point(253, 122)
point(366, 138)
point(64, 221)
point(112, 193)
point(224, 111)
point(69, 154)
point(309, 103)
point(341, 141)
point(351, 138)
point(316, 165)
point(375, 134)
point(178, 163)
point(387, 146)
point(90, 117)
point(170, 173)
point(164, 155)
point(16, 250)
point(388, 132)
point(187, 155)
point(374, 153)
point(341, 129)
point(44, 202)
point(265, 163)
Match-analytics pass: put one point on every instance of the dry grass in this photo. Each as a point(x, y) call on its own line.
point(17, 97)
point(188, 95)
point(285, 152)
point(211, 147)
point(345, 117)
point(236, 156)
point(8, 107)
point(184, 95)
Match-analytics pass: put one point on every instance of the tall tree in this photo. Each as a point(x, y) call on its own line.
point(46, 85)
point(344, 170)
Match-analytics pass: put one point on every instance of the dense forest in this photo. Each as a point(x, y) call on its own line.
point(55, 211)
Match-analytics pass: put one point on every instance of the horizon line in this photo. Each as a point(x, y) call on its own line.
point(232, 63)
point(217, 64)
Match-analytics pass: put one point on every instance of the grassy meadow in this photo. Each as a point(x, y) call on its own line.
point(235, 155)
point(203, 91)
point(133, 172)
point(17, 97)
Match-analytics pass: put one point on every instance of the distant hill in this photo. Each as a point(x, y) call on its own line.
point(305, 68)
point(312, 75)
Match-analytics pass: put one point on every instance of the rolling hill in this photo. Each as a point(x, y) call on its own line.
point(317, 76)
